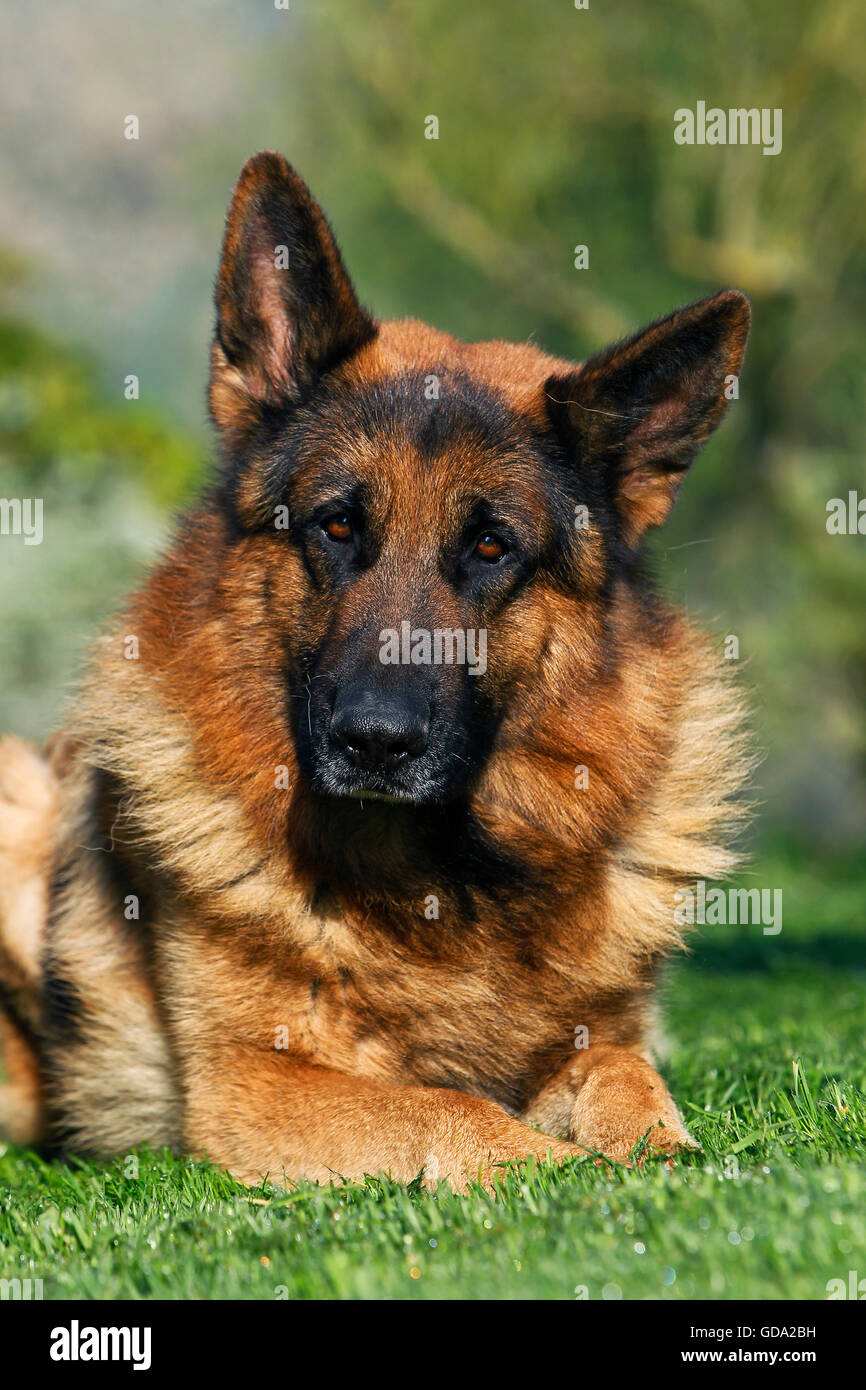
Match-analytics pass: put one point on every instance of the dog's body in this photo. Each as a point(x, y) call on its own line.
point(317, 915)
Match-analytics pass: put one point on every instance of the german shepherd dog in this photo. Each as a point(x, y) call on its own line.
point(306, 885)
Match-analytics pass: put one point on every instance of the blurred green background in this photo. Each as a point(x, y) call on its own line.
point(555, 129)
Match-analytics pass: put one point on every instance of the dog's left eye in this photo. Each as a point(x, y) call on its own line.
point(489, 547)
point(338, 527)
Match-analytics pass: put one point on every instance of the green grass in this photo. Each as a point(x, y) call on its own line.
point(767, 1061)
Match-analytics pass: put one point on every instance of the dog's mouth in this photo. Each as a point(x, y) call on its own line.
point(424, 781)
point(372, 794)
point(415, 786)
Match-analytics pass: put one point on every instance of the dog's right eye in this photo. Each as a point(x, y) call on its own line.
point(489, 547)
point(338, 527)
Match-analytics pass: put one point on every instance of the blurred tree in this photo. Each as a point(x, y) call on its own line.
point(105, 476)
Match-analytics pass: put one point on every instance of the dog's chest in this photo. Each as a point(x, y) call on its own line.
point(491, 1022)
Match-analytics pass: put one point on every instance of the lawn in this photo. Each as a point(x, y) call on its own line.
point(766, 1057)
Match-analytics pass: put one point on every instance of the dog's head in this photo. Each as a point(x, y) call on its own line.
point(431, 516)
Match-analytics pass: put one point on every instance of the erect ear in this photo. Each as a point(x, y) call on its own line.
point(286, 309)
point(642, 409)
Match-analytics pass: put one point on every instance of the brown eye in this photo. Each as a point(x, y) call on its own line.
point(489, 547)
point(338, 527)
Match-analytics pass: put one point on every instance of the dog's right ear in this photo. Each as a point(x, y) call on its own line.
point(286, 309)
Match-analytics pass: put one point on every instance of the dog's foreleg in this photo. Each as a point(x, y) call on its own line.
point(261, 1115)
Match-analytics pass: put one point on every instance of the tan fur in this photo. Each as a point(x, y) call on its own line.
point(28, 813)
point(27, 799)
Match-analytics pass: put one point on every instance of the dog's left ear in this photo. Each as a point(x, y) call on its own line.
point(642, 409)
point(286, 309)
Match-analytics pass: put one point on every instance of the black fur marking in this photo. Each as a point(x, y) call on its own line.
point(119, 865)
point(241, 878)
point(63, 1006)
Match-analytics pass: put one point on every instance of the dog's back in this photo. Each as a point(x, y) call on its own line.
point(28, 822)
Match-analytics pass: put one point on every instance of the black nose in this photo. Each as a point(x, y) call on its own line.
point(379, 734)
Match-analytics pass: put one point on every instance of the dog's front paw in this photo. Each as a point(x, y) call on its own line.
point(620, 1108)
